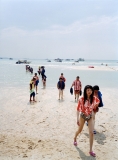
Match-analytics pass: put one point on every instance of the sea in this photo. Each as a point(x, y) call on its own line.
point(15, 75)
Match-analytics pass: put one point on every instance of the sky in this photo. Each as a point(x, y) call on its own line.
point(50, 29)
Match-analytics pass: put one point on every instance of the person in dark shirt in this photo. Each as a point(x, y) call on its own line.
point(42, 72)
point(98, 94)
point(44, 80)
point(61, 87)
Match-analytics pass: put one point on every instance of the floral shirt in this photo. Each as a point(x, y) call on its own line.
point(87, 108)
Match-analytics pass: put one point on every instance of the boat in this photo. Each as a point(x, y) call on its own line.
point(22, 62)
point(90, 66)
point(48, 60)
point(77, 61)
point(58, 60)
point(81, 59)
point(10, 58)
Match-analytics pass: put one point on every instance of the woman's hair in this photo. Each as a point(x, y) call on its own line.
point(30, 86)
point(85, 94)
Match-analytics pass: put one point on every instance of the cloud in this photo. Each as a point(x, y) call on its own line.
point(91, 37)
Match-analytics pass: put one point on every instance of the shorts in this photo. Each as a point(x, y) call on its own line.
point(60, 91)
point(86, 118)
point(37, 82)
point(77, 91)
point(32, 94)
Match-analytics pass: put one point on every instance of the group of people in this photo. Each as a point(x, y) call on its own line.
point(28, 68)
point(77, 87)
point(88, 106)
point(34, 82)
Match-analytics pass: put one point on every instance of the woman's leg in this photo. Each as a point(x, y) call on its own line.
point(90, 126)
point(81, 124)
point(93, 116)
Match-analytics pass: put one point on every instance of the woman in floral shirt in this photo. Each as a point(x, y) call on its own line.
point(85, 108)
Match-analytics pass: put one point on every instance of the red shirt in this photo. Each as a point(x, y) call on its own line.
point(77, 85)
point(87, 108)
point(63, 78)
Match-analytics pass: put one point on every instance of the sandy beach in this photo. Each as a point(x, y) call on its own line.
point(45, 130)
point(62, 44)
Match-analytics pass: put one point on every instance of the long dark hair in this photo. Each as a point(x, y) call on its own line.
point(85, 95)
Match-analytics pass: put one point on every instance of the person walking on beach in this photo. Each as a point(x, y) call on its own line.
point(61, 87)
point(85, 108)
point(36, 81)
point(31, 70)
point(32, 92)
point(44, 80)
point(63, 78)
point(77, 87)
point(98, 94)
point(39, 71)
point(42, 72)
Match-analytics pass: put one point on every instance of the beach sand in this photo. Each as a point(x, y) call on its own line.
point(45, 130)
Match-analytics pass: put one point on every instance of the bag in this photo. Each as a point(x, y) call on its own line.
point(80, 93)
point(100, 98)
point(86, 118)
point(71, 91)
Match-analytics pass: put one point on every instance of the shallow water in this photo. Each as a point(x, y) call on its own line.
point(15, 75)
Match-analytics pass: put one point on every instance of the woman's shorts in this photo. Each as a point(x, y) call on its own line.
point(86, 118)
point(32, 94)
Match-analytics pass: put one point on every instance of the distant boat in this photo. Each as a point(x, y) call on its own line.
point(22, 62)
point(77, 61)
point(10, 58)
point(58, 60)
point(67, 59)
point(48, 60)
point(81, 59)
point(90, 66)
